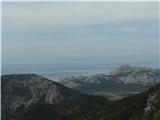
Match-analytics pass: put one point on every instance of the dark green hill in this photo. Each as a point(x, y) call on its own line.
point(143, 106)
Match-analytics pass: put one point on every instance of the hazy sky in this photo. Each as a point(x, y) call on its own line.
point(60, 32)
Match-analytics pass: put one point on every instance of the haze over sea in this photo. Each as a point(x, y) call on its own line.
point(73, 68)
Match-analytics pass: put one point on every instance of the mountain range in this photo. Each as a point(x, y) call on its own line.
point(33, 97)
point(124, 78)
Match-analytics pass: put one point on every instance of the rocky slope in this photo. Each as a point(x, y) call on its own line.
point(124, 78)
point(136, 75)
point(26, 92)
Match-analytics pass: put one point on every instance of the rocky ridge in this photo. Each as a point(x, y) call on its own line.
point(27, 89)
point(124, 78)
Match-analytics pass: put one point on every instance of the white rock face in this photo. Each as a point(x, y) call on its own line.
point(150, 107)
point(153, 99)
point(124, 75)
point(137, 75)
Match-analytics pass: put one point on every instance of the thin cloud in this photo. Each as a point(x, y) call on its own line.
point(59, 14)
point(35, 31)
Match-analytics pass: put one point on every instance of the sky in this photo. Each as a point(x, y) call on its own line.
point(79, 32)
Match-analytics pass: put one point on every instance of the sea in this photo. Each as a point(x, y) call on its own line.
point(60, 70)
